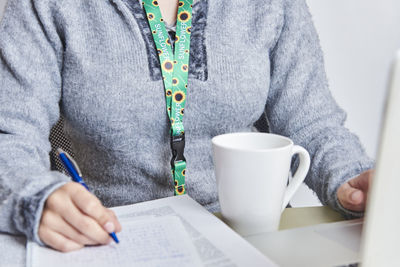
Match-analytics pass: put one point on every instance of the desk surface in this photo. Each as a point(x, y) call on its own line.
point(12, 248)
point(300, 217)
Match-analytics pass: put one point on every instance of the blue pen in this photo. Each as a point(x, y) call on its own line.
point(76, 175)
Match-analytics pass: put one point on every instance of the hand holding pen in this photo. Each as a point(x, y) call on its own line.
point(72, 167)
point(73, 217)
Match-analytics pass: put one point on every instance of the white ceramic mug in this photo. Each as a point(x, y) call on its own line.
point(252, 171)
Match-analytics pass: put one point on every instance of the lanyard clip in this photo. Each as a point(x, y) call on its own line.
point(177, 147)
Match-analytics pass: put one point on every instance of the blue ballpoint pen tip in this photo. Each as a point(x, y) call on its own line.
point(114, 236)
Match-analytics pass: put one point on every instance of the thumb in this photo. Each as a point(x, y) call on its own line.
point(355, 196)
point(351, 198)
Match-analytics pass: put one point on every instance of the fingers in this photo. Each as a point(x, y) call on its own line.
point(57, 241)
point(118, 226)
point(86, 225)
point(91, 206)
point(72, 213)
point(353, 194)
point(56, 223)
point(362, 181)
point(351, 198)
point(83, 223)
point(61, 204)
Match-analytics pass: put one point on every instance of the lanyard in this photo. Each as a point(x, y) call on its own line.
point(174, 68)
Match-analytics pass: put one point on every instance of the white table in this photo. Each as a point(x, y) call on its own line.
point(12, 248)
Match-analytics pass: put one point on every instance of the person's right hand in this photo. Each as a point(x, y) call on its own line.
point(353, 194)
point(73, 217)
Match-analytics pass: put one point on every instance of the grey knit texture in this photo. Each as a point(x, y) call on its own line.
point(92, 62)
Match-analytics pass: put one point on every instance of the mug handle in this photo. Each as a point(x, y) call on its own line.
point(299, 175)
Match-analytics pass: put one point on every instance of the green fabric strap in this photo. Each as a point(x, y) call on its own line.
point(174, 68)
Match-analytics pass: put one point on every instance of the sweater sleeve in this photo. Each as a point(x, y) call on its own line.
point(30, 89)
point(301, 107)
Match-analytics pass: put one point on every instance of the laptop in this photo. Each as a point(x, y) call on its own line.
point(369, 242)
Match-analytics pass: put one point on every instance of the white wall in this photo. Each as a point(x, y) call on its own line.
point(359, 38)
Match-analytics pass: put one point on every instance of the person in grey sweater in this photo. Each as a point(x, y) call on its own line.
point(252, 64)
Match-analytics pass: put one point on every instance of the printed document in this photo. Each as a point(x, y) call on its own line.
point(173, 231)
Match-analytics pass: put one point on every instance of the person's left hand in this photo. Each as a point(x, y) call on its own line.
point(353, 194)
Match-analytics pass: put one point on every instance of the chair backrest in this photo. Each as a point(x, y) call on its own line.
point(59, 140)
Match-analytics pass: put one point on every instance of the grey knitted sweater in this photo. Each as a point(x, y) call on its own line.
point(253, 64)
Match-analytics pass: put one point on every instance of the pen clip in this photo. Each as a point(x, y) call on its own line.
point(59, 151)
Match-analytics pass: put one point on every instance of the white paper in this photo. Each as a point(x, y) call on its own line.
point(147, 242)
point(207, 240)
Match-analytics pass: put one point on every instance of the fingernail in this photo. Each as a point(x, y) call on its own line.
point(354, 196)
point(109, 227)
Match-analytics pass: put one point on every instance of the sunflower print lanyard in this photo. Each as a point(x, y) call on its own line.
point(174, 68)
